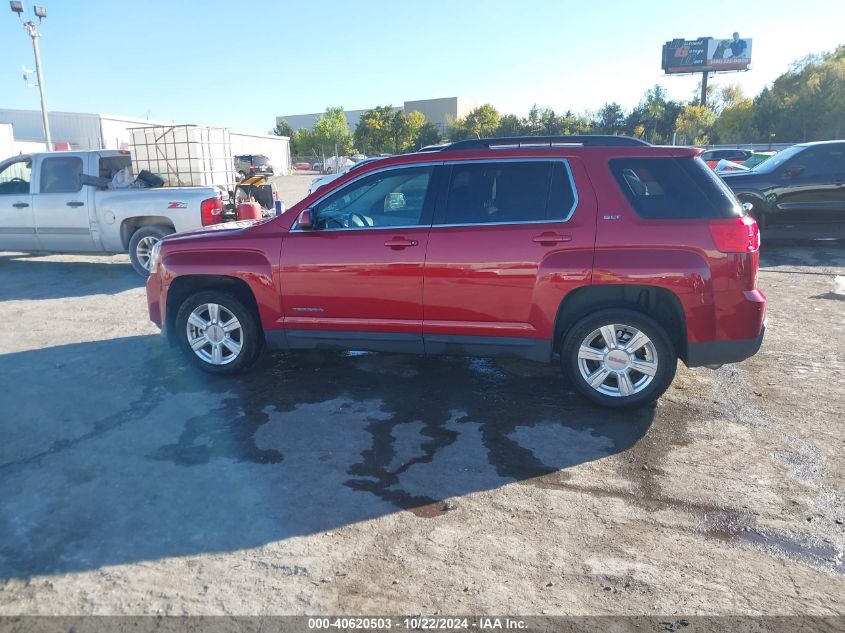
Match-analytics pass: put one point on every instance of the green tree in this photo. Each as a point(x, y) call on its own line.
point(610, 119)
point(375, 129)
point(736, 122)
point(282, 128)
point(695, 123)
point(302, 143)
point(510, 125)
point(331, 133)
point(428, 135)
point(481, 122)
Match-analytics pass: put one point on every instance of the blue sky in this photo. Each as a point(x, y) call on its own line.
point(241, 64)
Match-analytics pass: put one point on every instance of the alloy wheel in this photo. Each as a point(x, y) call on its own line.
point(617, 360)
point(214, 334)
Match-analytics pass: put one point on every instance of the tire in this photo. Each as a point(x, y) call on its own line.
point(243, 346)
point(656, 356)
point(142, 242)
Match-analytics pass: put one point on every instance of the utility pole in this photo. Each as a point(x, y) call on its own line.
point(32, 30)
point(704, 88)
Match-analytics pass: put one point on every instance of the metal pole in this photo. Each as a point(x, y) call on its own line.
point(34, 34)
point(704, 88)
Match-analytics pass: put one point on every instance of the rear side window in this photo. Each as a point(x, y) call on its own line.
point(674, 188)
point(61, 174)
point(508, 192)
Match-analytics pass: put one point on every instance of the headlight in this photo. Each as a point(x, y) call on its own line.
point(155, 253)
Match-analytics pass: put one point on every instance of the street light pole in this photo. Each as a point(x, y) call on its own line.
point(32, 30)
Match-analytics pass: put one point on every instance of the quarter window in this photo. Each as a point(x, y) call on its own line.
point(62, 174)
point(391, 198)
point(508, 192)
point(669, 188)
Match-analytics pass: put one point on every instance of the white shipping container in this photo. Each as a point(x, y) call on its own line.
point(184, 155)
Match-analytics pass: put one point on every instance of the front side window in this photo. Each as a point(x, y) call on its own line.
point(508, 192)
point(391, 198)
point(62, 174)
point(15, 177)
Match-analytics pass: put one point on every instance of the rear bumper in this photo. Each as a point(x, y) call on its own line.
point(723, 352)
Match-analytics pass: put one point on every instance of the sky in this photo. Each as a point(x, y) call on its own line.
point(240, 65)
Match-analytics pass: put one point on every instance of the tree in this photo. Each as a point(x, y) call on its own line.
point(481, 122)
point(610, 119)
point(331, 132)
point(374, 131)
point(428, 135)
point(736, 122)
point(406, 130)
point(282, 128)
point(695, 123)
point(510, 125)
point(302, 143)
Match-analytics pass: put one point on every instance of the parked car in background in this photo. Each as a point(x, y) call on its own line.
point(803, 184)
point(253, 165)
point(44, 206)
point(322, 181)
point(713, 156)
point(302, 166)
point(608, 254)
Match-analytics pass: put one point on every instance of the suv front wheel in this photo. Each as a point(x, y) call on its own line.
point(217, 332)
point(619, 358)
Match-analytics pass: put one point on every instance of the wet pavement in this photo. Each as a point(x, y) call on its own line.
point(357, 482)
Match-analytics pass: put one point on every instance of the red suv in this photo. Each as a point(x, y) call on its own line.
point(615, 256)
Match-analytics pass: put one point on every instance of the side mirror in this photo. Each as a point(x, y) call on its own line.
point(305, 220)
point(792, 172)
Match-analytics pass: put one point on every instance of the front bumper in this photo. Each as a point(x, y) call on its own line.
point(156, 300)
point(723, 352)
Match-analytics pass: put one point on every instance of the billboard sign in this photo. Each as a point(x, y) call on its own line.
point(685, 56)
point(733, 53)
point(706, 54)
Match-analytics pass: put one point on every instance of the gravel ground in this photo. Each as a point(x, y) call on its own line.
point(368, 483)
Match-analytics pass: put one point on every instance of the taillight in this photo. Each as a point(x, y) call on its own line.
point(737, 235)
point(252, 169)
point(211, 211)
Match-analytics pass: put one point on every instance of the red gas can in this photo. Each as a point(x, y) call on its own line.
point(249, 211)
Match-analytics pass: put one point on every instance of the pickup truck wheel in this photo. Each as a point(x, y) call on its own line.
point(217, 332)
point(141, 244)
point(619, 358)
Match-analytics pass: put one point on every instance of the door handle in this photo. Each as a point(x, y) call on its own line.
point(75, 204)
point(550, 239)
point(398, 243)
point(21, 205)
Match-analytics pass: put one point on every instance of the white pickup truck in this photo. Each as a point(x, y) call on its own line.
point(45, 207)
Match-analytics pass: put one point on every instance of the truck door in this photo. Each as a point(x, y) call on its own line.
point(61, 205)
point(17, 227)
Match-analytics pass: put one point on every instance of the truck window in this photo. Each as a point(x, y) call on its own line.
point(110, 165)
point(15, 177)
point(61, 174)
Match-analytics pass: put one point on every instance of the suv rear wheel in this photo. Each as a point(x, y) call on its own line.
point(217, 332)
point(619, 358)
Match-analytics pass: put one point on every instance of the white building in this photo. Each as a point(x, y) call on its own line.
point(82, 131)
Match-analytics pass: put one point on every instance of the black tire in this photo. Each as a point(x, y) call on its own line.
point(249, 338)
point(666, 359)
point(140, 242)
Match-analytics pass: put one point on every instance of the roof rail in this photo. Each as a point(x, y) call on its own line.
point(508, 142)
